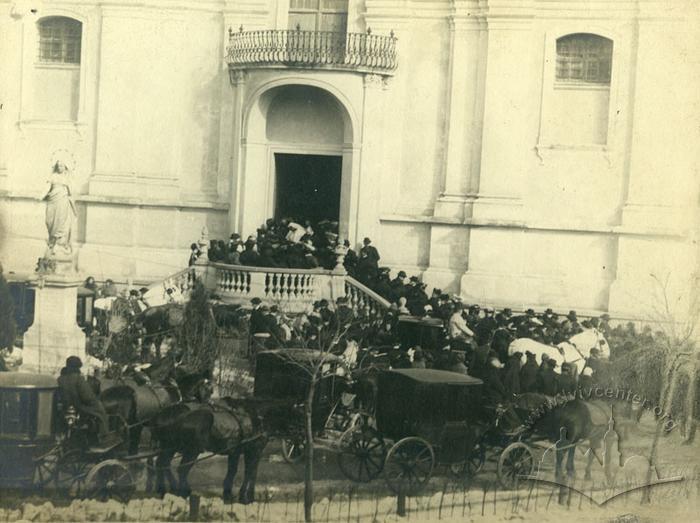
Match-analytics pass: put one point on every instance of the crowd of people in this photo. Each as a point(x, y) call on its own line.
point(278, 244)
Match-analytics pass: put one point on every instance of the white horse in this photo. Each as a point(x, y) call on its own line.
point(159, 295)
point(574, 351)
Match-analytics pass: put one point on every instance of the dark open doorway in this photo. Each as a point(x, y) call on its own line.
point(308, 187)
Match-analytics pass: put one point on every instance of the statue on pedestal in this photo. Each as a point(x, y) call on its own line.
point(60, 211)
point(60, 208)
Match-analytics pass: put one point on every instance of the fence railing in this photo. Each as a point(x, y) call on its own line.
point(353, 51)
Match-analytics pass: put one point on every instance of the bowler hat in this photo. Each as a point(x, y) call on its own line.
point(571, 315)
point(402, 274)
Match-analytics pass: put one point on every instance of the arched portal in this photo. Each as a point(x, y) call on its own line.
point(297, 157)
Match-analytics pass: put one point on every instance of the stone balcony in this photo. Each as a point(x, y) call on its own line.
point(356, 52)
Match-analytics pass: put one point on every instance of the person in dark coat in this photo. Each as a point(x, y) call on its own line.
point(585, 380)
point(567, 381)
point(250, 256)
point(368, 263)
point(479, 360)
point(398, 287)
point(501, 338)
point(75, 391)
point(547, 379)
point(494, 389)
point(528, 373)
point(382, 284)
point(417, 299)
point(351, 259)
point(485, 328)
point(512, 374)
point(257, 323)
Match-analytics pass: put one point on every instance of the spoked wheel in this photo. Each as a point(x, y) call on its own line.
point(472, 465)
point(71, 470)
point(293, 450)
point(409, 465)
point(110, 479)
point(361, 454)
point(45, 469)
point(516, 462)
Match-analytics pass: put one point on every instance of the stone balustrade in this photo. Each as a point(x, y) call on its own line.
point(362, 297)
point(290, 288)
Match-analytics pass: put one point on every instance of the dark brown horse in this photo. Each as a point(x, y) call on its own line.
point(230, 427)
point(565, 422)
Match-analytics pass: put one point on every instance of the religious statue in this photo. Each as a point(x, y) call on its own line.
point(60, 208)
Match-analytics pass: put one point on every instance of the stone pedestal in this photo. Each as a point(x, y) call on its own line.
point(55, 334)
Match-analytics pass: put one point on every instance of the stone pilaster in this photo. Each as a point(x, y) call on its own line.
point(372, 157)
point(463, 121)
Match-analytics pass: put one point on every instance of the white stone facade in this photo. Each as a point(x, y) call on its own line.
point(469, 164)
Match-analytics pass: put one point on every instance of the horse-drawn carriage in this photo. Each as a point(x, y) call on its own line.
point(46, 445)
point(424, 418)
point(286, 374)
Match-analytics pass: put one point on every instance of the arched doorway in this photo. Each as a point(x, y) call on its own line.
point(297, 158)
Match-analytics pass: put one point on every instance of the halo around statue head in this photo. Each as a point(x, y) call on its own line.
point(65, 157)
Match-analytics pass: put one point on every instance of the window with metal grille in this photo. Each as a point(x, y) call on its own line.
point(59, 40)
point(584, 58)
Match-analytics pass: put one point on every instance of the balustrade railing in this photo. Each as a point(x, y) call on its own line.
point(362, 297)
point(354, 51)
point(235, 282)
point(292, 289)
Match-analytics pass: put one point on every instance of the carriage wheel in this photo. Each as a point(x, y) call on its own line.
point(45, 469)
point(362, 453)
point(71, 470)
point(110, 479)
point(293, 450)
point(408, 466)
point(472, 465)
point(515, 462)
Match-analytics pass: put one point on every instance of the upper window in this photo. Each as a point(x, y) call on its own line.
point(584, 58)
point(319, 15)
point(59, 40)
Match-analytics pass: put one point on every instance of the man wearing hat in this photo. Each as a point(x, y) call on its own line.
point(368, 264)
point(571, 326)
point(76, 392)
point(547, 379)
point(398, 286)
point(528, 373)
point(486, 327)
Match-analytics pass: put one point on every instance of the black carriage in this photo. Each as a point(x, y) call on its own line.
point(27, 425)
point(429, 333)
point(285, 375)
point(424, 418)
point(49, 446)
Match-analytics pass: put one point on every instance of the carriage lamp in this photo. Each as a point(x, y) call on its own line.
point(71, 416)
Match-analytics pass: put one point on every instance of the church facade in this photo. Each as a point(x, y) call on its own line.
point(518, 152)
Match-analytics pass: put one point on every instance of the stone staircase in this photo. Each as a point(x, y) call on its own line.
point(293, 290)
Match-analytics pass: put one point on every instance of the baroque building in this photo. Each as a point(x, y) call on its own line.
point(519, 152)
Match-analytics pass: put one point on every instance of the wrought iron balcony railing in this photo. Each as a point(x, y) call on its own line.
point(364, 52)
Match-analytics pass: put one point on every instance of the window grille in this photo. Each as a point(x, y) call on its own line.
point(584, 58)
point(60, 40)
